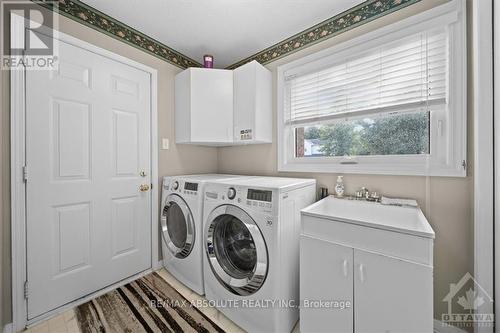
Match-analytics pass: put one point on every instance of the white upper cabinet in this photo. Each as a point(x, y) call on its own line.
point(252, 104)
point(217, 107)
point(204, 106)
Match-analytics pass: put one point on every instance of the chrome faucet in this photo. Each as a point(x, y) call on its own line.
point(364, 194)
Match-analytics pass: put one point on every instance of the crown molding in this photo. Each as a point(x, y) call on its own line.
point(349, 19)
point(91, 17)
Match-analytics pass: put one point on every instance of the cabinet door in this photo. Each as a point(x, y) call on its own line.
point(211, 105)
point(252, 103)
point(325, 275)
point(391, 295)
point(245, 86)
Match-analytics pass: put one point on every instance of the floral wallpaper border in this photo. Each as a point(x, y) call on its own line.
point(351, 18)
point(99, 21)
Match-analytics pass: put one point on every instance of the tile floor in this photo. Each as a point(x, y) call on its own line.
point(66, 322)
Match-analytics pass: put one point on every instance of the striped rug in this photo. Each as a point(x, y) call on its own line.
point(148, 304)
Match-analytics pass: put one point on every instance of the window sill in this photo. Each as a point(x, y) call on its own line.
point(375, 169)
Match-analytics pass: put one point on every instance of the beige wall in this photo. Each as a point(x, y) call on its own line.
point(177, 160)
point(446, 202)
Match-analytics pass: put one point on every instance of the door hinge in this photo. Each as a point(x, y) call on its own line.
point(25, 173)
point(26, 290)
point(464, 164)
point(151, 185)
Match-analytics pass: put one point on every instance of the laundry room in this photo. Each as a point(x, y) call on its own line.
point(249, 166)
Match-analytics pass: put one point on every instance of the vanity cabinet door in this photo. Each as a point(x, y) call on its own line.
point(325, 275)
point(391, 295)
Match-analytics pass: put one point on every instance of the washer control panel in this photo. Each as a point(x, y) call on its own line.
point(252, 198)
point(231, 193)
point(182, 187)
point(259, 198)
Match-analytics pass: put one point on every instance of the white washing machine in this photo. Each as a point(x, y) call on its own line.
point(181, 226)
point(251, 261)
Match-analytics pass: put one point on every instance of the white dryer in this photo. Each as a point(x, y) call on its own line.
point(251, 262)
point(181, 226)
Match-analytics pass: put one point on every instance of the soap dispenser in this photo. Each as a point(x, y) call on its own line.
point(339, 187)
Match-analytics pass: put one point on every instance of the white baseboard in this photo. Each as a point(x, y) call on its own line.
point(439, 327)
point(7, 328)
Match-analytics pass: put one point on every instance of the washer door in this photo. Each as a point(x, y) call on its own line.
point(177, 224)
point(236, 250)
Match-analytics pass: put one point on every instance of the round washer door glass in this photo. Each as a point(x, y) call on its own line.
point(234, 246)
point(177, 226)
point(236, 250)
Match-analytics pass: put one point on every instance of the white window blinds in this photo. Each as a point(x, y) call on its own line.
point(403, 75)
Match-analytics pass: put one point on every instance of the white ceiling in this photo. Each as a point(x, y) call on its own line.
point(230, 30)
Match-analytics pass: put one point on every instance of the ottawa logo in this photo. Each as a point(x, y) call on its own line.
point(464, 300)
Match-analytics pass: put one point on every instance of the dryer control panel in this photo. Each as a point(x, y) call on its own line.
point(182, 187)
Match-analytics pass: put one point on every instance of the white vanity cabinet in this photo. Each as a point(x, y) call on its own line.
point(325, 282)
point(391, 294)
point(377, 258)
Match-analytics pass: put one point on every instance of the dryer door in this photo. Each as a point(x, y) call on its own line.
point(177, 224)
point(236, 250)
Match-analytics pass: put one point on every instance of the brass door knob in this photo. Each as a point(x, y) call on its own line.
point(144, 187)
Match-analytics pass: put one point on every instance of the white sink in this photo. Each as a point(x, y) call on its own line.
point(408, 220)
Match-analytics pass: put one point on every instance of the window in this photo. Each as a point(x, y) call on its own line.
point(389, 102)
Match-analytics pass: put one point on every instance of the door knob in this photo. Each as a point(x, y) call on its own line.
point(144, 187)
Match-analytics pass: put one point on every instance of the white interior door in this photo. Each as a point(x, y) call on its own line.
point(87, 142)
point(391, 295)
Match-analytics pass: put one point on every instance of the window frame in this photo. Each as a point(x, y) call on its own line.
point(449, 125)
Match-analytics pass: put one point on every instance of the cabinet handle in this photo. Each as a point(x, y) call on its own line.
point(361, 273)
point(344, 266)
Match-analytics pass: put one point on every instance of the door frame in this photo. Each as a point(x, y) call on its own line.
point(18, 186)
point(484, 174)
